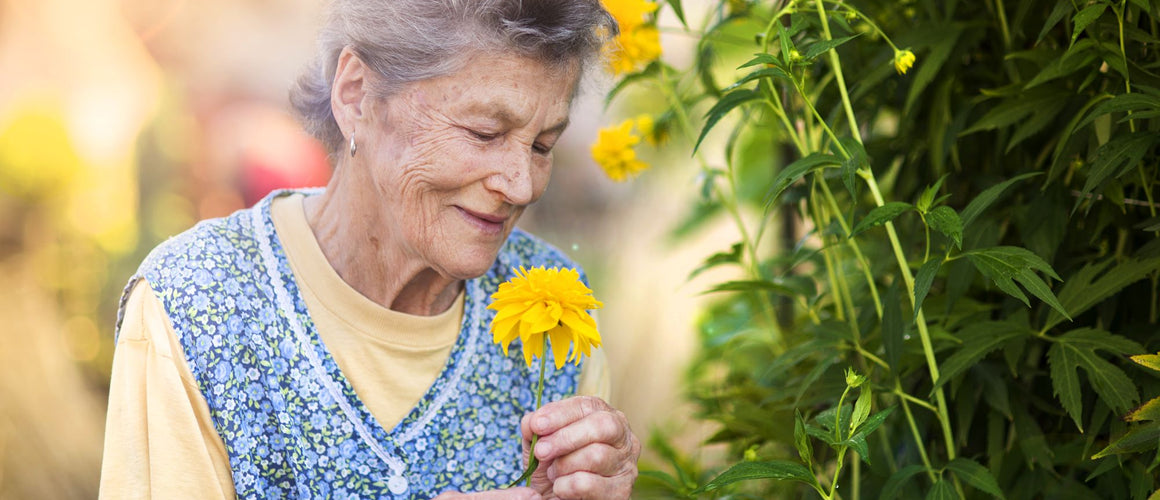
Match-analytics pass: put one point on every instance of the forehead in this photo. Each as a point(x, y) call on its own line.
point(508, 87)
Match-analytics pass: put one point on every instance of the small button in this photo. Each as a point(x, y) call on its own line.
point(397, 485)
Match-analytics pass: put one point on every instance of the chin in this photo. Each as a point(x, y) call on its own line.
point(471, 263)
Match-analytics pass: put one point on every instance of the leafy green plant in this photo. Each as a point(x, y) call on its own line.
point(964, 197)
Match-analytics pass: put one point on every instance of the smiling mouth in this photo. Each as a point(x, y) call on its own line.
point(489, 224)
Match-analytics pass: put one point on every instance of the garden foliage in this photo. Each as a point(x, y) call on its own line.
point(962, 300)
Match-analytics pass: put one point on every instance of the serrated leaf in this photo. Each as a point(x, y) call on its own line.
point(923, 281)
point(1083, 290)
point(926, 199)
point(892, 488)
point(1006, 263)
point(1034, 284)
point(942, 490)
point(821, 47)
point(1065, 382)
point(872, 423)
point(1079, 56)
point(975, 475)
point(881, 215)
point(1110, 383)
point(748, 471)
point(1085, 17)
point(1137, 439)
point(678, 11)
point(979, 339)
point(1148, 361)
point(1017, 109)
point(1147, 412)
point(945, 220)
point(1102, 340)
point(989, 196)
point(723, 107)
point(796, 170)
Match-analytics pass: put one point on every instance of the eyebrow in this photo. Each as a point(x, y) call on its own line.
point(506, 116)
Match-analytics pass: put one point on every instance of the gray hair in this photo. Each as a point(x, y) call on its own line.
point(406, 41)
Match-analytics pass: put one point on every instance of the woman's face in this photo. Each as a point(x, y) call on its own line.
point(455, 160)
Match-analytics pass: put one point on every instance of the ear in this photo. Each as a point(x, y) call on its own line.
point(349, 91)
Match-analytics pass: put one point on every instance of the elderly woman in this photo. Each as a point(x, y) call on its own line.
point(334, 343)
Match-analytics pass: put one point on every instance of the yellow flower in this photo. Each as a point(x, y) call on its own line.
point(903, 60)
point(614, 152)
point(551, 302)
point(634, 49)
point(629, 13)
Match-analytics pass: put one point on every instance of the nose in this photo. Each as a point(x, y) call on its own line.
point(515, 178)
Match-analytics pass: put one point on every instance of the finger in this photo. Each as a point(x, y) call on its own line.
point(600, 459)
point(558, 414)
point(586, 485)
point(605, 427)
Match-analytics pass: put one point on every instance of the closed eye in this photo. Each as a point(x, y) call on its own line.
point(541, 148)
point(483, 136)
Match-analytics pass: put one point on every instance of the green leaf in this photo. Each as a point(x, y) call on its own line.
point(923, 281)
point(881, 215)
point(760, 59)
point(1121, 104)
point(1067, 133)
point(1061, 9)
point(774, 73)
point(893, 328)
point(1116, 158)
point(678, 11)
point(1137, 439)
point(978, 340)
point(1147, 412)
point(796, 170)
point(945, 220)
point(975, 475)
point(927, 197)
point(1083, 290)
point(821, 47)
point(748, 471)
point(1065, 382)
point(801, 441)
point(1102, 340)
point(1085, 17)
point(861, 408)
point(989, 196)
point(723, 107)
point(1034, 284)
point(872, 424)
point(663, 478)
point(1017, 109)
point(650, 71)
point(733, 256)
point(857, 160)
point(893, 486)
point(754, 286)
point(1148, 361)
point(1079, 56)
point(942, 490)
point(786, 45)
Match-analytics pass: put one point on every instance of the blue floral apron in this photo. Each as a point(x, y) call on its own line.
point(291, 422)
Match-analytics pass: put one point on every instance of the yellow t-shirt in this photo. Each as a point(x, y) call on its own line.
point(159, 437)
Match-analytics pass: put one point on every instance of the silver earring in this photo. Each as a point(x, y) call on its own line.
point(353, 147)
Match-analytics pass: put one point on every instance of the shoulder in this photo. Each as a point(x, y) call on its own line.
point(211, 244)
point(524, 249)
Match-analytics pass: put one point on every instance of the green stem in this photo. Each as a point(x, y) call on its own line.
point(853, 243)
point(918, 441)
point(837, 67)
point(533, 462)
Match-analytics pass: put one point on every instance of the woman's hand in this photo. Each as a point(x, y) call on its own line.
point(508, 494)
point(586, 450)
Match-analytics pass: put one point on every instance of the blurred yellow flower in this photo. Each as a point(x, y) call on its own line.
point(633, 49)
point(629, 13)
point(545, 302)
point(903, 60)
point(614, 152)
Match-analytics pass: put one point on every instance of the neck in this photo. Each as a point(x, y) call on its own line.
point(366, 252)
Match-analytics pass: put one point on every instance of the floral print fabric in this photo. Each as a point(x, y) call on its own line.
point(292, 424)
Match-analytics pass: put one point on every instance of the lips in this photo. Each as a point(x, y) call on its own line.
point(488, 223)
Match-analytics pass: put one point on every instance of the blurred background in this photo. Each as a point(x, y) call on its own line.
point(123, 122)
